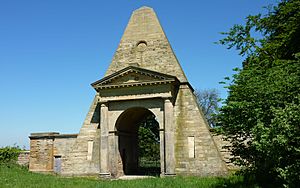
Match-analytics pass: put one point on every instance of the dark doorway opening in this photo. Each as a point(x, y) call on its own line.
point(139, 143)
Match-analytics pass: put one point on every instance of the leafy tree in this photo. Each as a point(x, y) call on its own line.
point(208, 100)
point(148, 138)
point(261, 114)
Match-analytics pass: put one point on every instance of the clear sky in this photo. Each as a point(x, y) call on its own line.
point(51, 50)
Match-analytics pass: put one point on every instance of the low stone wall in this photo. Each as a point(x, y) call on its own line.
point(23, 158)
point(45, 147)
point(225, 153)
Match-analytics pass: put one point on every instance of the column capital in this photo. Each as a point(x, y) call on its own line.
point(167, 99)
point(104, 104)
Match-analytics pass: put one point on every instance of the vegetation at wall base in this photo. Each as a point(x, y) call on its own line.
point(9, 154)
point(19, 177)
point(261, 117)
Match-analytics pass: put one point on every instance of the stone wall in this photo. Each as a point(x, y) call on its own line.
point(23, 158)
point(224, 151)
point(195, 150)
point(62, 144)
point(45, 146)
point(41, 152)
point(78, 161)
point(156, 54)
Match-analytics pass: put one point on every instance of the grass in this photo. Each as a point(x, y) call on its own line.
point(15, 176)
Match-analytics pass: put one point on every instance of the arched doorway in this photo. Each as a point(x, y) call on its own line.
point(139, 142)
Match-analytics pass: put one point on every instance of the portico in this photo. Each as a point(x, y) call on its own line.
point(127, 97)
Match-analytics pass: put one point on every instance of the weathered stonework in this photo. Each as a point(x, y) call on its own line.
point(23, 158)
point(144, 78)
point(223, 147)
point(190, 122)
point(45, 146)
point(144, 27)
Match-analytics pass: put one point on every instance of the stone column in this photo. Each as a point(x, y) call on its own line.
point(104, 169)
point(162, 150)
point(112, 152)
point(169, 138)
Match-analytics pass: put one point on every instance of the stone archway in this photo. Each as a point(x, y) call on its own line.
point(128, 126)
point(130, 95)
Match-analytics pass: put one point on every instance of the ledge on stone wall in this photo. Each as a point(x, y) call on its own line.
point(51, 135)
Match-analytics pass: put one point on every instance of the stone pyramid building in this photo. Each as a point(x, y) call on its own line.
point(144, 78)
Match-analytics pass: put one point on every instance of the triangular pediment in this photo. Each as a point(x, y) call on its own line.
point(133, 76)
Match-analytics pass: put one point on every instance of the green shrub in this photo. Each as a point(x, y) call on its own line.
point(9, 154)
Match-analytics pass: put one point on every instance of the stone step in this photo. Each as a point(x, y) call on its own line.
point(134, 177)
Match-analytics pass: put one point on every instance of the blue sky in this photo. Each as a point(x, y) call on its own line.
point(51, 50)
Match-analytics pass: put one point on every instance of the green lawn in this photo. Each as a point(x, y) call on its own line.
point(14, 176)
